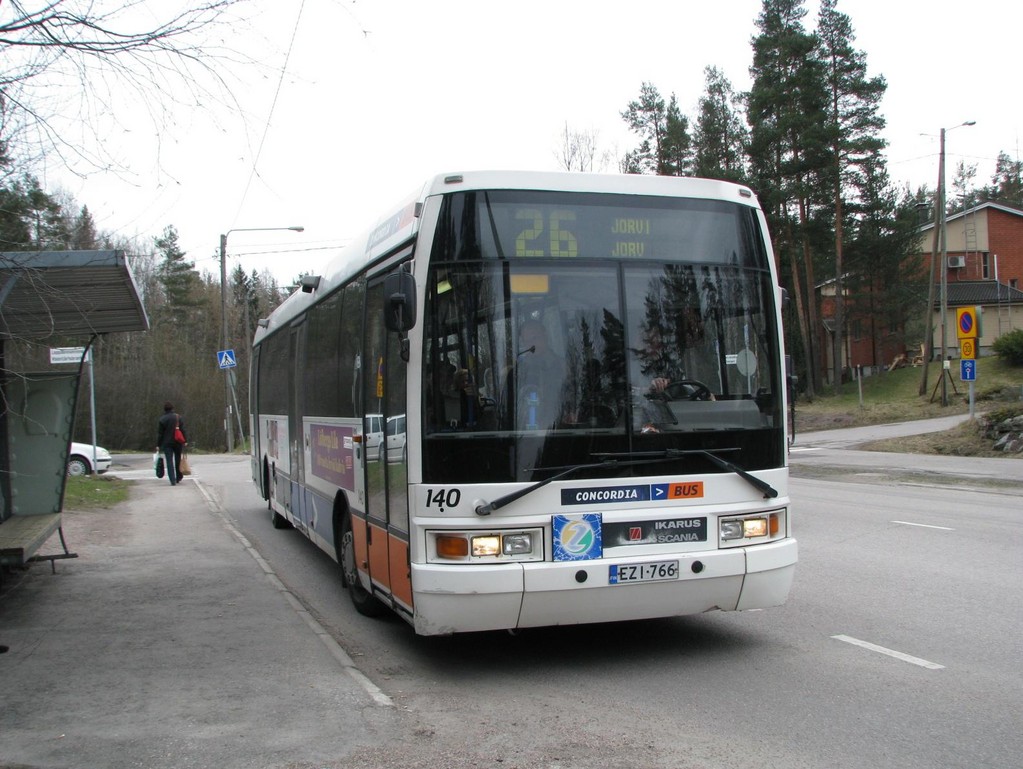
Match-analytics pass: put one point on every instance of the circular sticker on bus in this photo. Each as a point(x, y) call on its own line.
point(577, 537)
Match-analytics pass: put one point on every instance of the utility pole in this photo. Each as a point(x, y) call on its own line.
point(228, 377)
point(223, 317)
point(941, 262)
point(943, 266)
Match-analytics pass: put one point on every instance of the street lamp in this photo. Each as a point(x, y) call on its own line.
point(944, 257)
point(223, 314)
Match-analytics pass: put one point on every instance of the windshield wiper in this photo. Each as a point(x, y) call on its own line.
point(609, 463)
point(768, 490)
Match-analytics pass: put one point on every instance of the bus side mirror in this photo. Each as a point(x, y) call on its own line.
point(399, 301)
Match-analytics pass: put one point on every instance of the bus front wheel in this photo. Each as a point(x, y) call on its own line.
point(362, 599)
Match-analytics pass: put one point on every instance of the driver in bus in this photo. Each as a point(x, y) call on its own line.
point(451, 396)
point(536, 384)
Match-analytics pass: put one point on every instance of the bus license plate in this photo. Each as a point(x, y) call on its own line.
point(642, 572)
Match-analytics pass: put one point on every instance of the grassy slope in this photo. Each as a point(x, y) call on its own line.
point(894, 397)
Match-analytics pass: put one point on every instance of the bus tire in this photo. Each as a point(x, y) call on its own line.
point(266, 483)
point(364, 601)
point(276, 519)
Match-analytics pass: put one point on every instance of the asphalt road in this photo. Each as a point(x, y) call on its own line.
point(899, 647)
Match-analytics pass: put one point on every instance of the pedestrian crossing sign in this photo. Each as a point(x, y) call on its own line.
point(226, 359)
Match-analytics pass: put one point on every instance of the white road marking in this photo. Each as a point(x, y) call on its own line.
point(890, 652)
point(924, 525)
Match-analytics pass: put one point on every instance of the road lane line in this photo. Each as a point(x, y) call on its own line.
point(890, 652)
point(924, 525)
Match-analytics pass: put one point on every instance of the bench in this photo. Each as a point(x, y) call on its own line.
point(21, 536)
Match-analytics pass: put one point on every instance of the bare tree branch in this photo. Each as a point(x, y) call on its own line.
point(74, 62)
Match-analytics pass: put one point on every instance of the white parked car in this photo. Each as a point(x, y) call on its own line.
point(374, 435)
point(395, 441)
point(79, 460)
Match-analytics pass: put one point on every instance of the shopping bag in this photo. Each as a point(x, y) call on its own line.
point(186, 469)
point(158, 464)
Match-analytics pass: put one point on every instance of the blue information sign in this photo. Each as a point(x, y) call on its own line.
point(968, 370)
point(225, 359)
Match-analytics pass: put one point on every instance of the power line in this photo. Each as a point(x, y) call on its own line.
point(273, 106)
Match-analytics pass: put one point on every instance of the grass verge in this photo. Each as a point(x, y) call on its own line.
point(94, 492)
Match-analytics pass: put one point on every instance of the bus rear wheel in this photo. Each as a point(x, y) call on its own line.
point(365, 603)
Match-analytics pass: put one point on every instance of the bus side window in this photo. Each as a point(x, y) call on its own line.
point(351, 337)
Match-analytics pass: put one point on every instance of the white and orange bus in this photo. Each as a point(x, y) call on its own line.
point(574, 390)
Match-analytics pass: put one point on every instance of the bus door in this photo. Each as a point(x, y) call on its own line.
point(296, 454)
point(384, 393)
point(255, 442)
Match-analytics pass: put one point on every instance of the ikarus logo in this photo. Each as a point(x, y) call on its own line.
point(577, 537)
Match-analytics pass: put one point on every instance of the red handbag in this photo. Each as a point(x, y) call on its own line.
point(179, 437)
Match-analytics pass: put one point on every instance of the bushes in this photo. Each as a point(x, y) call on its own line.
point(1009, 347)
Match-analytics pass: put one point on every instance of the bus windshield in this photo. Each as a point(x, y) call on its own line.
point(563, 327)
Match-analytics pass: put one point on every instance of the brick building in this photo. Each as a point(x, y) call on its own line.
point(984, 268)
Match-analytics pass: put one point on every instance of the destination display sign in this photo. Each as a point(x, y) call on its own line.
point(525, 224)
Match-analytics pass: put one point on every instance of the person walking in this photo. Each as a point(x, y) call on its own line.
point(171, 440)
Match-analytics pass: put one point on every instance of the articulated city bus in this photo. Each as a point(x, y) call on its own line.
point(529, 399)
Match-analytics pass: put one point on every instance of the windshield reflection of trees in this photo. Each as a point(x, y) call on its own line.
point(692, 318)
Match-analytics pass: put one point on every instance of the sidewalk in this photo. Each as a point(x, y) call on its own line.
point(165, 644)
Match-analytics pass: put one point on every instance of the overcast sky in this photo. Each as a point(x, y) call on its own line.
point(378, 95)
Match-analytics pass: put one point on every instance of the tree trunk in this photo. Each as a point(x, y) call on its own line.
point(929, 324)
point(797, 290)
point(812, 316)
point(839, 293)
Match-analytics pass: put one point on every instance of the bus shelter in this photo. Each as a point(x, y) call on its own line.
point(44, 295)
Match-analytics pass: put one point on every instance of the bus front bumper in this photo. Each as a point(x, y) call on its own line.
point(467, 598)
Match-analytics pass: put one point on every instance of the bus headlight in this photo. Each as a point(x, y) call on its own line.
point(517, 544)
point(731, 530)
point(508, 544)
point(761, 527)
point(470, 547)
point(488, 545)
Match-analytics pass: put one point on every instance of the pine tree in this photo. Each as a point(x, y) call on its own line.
point(1007, 183)
point(885, 280)
point(83, 231)
point(720, 138)
point(854, 126)
point(676, 157)
point(787, 112)
point(15, 230)
point(665, 147)
point(178, 278)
